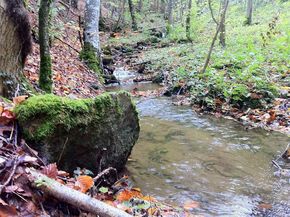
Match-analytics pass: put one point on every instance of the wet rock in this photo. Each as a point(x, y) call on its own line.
point(89, 133)
point(107, 60)
point(158, 78)
point(111, 79)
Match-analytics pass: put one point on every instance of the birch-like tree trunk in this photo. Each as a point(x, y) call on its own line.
point(15, 45)
point(91, 52)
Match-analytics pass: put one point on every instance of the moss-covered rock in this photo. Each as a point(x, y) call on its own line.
point(91, 133)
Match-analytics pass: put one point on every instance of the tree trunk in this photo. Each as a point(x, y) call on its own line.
point(45, 73)
point(169, 12)
point(91, 52)
point(223, 14)
point(15, 45)
point(188, 20)
point(222, 36)
point(132, 12)
point(249, 12)
point(140, 5)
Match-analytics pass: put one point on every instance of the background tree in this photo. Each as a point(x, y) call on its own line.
point(249, 12)
point(169, 15)
point(91, 52)
point(222, 24)
point(15, 45)
point(188, 20)
point(45, 73)
point(132, 12)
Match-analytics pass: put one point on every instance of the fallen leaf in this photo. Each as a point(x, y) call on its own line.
point(265, 206)
point(6, 117)
point(126, 195)
point(19, 99)
point(149, 198)
point(189, 205)
point(7, 211)
point(50, 170)
point(85, 183)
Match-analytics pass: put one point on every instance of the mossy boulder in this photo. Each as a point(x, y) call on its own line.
point(88, 133)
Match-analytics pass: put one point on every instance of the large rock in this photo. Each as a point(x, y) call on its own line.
point(89, 133)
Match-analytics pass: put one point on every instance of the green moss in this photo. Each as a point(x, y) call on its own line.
point(61, 111)
point(88, 54)
point(45, 75)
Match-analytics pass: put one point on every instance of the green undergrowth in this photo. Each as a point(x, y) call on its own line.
point(247, 73)
point(61, 111)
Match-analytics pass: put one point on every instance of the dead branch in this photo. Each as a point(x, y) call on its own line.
point(76, 50)
point(15, 164)
point(68, 7)
point(73, 197)
point(105, 172)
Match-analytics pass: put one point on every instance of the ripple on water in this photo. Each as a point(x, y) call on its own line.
point(181, 156)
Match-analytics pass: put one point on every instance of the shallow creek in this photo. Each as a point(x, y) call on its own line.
point(182, 156)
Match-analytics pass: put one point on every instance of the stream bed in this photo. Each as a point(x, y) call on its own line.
point(182, 156)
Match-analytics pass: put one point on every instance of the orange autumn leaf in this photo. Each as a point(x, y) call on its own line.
point(85, 183)
point(1, 109)
point(126, 195)
point(19, 99)
point(189, 205)
point(272, 117)
point(6, 117)
point(149, 199)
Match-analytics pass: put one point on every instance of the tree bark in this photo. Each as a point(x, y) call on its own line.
point(170, 12)
point(15, 45)
point(132, 12)
point(45, 73)
point(222, 36)
point(188, 20)
point(91, 52)
point(249, 12)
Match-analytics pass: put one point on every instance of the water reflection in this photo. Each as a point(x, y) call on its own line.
point(181, 156)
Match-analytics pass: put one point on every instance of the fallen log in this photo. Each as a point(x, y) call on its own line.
point(73, 197)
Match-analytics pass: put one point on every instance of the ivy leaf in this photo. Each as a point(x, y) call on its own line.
point(103, 190)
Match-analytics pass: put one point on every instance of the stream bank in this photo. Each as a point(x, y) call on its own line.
point(183, 156)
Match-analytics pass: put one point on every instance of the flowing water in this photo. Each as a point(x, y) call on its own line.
point(181, 156)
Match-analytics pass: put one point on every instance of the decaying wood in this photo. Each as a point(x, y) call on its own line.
point(73, 197)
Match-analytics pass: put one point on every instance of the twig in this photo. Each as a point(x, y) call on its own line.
point(10, 176)
point(62, 151)
point(76, 50)
point(68, 7)
point(280, 156)
point(32, 152)
point(276, 164)
point(17, 91)
point(104, 172)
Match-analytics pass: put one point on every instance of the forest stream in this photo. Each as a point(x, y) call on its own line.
point(182, 156)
